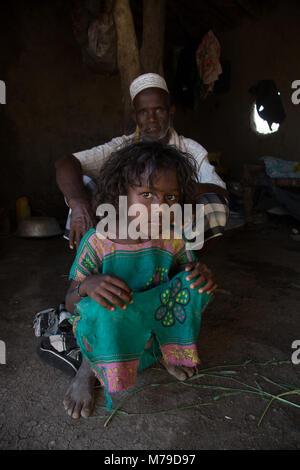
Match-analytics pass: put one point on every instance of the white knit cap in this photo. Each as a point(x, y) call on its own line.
point(148, 80)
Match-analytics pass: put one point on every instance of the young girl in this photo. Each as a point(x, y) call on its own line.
point(136, 301)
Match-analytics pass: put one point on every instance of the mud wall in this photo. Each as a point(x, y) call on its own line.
point(267, 48)
point(56, 105)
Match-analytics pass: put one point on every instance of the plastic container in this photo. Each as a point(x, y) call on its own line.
point(22, 208)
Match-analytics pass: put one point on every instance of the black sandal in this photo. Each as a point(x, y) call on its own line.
point(60, 351)
point(57, 344)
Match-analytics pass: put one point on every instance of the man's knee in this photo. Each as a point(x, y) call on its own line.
point(216, 213)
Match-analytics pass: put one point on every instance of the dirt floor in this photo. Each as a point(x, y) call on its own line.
point(253, 317)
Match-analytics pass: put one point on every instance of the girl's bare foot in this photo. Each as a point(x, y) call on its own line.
point(79, 399)
point(181, 373)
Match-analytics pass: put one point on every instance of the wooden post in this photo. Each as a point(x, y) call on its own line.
point(128, 52)
point(131, 61)
point(152, 49)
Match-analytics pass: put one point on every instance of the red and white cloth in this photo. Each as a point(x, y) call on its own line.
point(208, 59)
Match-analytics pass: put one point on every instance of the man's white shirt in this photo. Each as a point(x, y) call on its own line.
point(91, 160)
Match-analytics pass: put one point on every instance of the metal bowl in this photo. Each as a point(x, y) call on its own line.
point(39, 227)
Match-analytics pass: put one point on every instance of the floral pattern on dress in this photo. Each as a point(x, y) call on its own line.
point(173, 300)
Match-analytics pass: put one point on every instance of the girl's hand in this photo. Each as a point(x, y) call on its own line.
point(106, 287)
point(201, 273)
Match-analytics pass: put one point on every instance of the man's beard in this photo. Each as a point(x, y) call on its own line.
point(163, 138)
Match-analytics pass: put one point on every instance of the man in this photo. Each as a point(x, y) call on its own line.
point(153, 115)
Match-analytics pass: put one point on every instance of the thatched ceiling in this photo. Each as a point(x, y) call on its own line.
point(191, 19)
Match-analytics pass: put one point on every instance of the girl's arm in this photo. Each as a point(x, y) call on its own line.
point(108, 290)
point(72, 296)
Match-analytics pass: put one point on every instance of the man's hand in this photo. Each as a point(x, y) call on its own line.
point(82, 219)
point(201, 273)
point(108, 290)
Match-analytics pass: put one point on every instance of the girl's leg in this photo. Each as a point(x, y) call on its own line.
point(177, 326)
point(79, 399)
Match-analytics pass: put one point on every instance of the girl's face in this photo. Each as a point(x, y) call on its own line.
point(164, 190)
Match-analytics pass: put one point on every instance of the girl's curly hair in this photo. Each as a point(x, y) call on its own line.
point(127, 166)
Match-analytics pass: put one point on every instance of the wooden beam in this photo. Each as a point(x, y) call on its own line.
point(128, 52)
point(248, 8)
point(192, 25)
point(152, 50)
point(222, 14)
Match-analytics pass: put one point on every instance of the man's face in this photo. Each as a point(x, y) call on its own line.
point(153, 114)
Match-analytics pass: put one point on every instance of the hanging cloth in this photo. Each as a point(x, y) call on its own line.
point(208, 61)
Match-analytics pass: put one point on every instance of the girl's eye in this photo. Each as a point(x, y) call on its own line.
point(147, 195)
point(171, 197)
